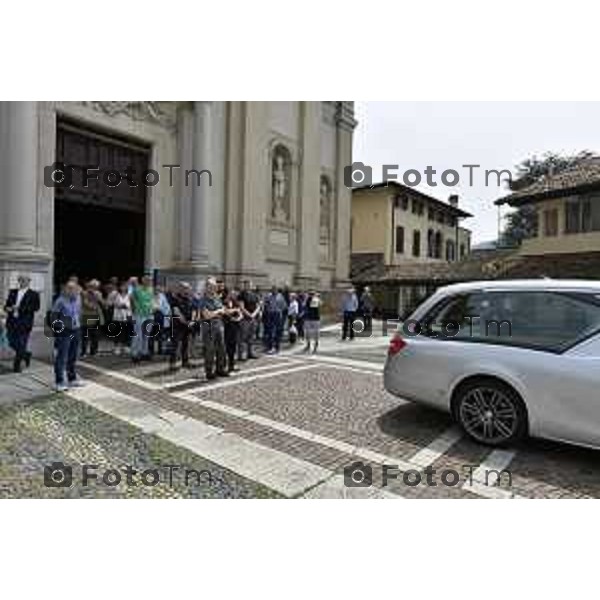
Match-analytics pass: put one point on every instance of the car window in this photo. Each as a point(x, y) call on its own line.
point(551, 321)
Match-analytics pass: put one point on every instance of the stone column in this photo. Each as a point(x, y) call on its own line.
point(234, 184)
point(21, 172)
point(18, 176)
point(255, 193)
point(307, 274)
point(201, 194)
point(345, 127)
point(185, 130)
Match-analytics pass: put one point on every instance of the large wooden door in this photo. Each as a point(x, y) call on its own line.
point(99, 229)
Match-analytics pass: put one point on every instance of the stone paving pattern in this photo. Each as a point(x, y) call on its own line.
point(331, 399)
point(59, 429)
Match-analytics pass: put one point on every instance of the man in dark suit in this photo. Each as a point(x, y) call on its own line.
point(21, 305)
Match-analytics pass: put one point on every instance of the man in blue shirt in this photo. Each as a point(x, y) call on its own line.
point(274, 308)
point(349, 308)
point(66, 325)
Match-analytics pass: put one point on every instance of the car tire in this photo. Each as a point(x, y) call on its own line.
point(490, 412)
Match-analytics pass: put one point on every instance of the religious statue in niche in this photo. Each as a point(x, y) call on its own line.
point(325, 207)
point(280, 201)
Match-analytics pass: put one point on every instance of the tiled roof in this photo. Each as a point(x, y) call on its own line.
point(454, 210)
point(582, 177)
point(366, 265)
point(557, 266)
point(482, 265)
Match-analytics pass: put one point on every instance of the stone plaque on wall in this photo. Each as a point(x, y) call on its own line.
point(279, 238)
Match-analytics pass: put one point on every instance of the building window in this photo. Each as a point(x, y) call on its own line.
point(572, 217)
point(430, 243)
point(462, 251)
point(438, 245)
point(416, 249)
point(399, 240)
point(417, 207)
point(451, 221)
point(441, 218)
point(401, 201)
point(551, 222)
point(431, 214)
point(450, 250)
point(582, 215)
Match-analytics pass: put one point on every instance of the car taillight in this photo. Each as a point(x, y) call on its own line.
point(397, 344)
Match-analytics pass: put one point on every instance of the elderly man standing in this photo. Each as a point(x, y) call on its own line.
point(66, 310)
point(212, 313)
point(349, 308)
point(274, 308)
point(21, 305)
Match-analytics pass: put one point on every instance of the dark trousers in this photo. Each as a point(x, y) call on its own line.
point(180, 344)
point(273, 323)
point(18, 338)
point(347, 329)
point(248, 329)
point(90, 336)
point(65, 358)
point(300, 327)
point(213, 343)
point(368, 320)
point(232, 337)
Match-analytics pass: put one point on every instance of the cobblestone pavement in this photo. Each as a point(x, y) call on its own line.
point(287, 426)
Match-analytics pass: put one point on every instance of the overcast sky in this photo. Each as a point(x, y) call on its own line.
point(495, 135)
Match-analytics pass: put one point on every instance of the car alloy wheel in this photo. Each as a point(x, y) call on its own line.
point(491, 413)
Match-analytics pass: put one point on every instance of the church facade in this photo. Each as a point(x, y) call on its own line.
point(235, 189)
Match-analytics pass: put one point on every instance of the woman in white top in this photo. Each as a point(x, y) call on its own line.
point(120, 330)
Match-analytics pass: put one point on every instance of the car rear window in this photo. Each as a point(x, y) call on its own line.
point(550, 321)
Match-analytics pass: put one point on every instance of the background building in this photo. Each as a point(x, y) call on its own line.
point(406, 225)
point(397, 235)
point(567, 207)
point(277, 210)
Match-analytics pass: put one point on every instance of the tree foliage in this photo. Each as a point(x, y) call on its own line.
point(535, 168)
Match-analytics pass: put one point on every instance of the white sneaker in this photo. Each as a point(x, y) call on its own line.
point(76, 383)
point(61, 387)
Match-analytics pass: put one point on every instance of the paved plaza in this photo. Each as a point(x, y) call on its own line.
point(288, 426)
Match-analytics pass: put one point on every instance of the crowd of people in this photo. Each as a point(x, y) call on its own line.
point(141, 320)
